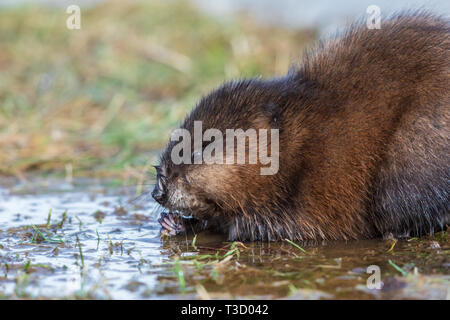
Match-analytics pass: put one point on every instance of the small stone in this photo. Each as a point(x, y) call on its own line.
point(434, 245)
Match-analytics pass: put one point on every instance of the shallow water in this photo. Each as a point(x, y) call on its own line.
point(123, 257)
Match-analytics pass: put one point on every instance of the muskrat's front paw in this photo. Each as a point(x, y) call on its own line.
point(171, 225)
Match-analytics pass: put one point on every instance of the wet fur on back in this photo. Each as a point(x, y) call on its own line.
point(364, 142)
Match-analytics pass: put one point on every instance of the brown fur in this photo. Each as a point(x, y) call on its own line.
point(364, 142)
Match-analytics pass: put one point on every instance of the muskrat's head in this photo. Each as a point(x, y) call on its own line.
point(225, 156)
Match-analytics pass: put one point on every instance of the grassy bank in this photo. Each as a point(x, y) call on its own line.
point(102, 100)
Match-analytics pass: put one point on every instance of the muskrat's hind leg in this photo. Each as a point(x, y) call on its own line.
point(412, 191)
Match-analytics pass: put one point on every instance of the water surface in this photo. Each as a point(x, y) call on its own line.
point(91, 239)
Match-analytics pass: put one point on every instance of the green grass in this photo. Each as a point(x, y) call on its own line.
point(81, 253)
point(40, 237)
point(295, 245)
point(403, 272)
point(180, 276)
point(103, 100)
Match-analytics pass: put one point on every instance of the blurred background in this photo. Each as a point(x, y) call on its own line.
point(101, 101)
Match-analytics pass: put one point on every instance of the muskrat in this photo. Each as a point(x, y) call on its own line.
point(364, 135)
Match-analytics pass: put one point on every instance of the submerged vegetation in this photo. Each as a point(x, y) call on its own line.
point(100, 100)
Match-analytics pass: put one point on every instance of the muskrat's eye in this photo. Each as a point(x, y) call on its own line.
point(197, 156)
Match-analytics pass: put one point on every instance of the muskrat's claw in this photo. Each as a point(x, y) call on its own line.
point(170, 224)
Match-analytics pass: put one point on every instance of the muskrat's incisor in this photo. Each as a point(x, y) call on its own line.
point(363, 143)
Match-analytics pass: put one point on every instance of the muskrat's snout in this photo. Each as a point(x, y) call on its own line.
point(181, 194)
point(159, 193)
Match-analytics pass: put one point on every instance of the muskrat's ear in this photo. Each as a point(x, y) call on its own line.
point(273, 112)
